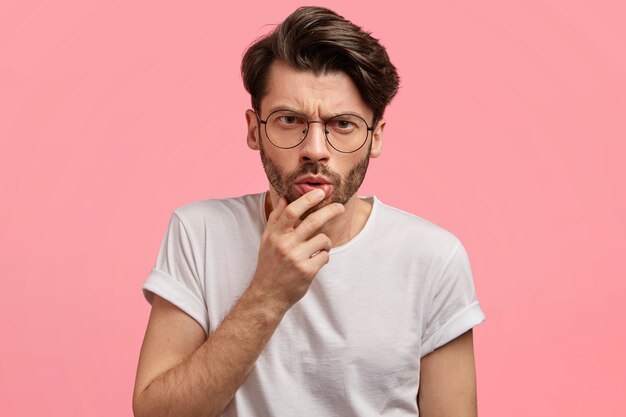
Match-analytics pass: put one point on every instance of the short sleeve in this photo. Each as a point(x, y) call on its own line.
point(175, 276)
point(453, 307)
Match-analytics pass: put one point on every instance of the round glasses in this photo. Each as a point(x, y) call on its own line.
point(287, 129)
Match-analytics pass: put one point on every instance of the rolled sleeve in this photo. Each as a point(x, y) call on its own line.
point(454, 308)
point(175, 276)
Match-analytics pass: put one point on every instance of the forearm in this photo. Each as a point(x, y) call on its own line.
point(205, 382)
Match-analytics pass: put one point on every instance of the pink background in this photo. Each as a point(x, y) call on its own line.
point(509, 130)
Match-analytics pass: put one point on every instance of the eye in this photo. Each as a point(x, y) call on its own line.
point(342, 124)
point(288, 120)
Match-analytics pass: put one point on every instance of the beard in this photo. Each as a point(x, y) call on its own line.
point(343, 187)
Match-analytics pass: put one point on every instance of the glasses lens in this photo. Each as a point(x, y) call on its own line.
point(346, 132)
point(286, 129)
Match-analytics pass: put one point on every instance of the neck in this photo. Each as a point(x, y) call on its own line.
point(342, 228)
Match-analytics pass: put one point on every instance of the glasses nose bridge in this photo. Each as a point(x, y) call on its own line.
point(324, 130)
point(315, 145)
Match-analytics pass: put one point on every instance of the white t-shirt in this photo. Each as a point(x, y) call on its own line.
point(352, 345)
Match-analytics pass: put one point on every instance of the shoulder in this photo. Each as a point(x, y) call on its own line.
point(218, 212)
point(415, 230)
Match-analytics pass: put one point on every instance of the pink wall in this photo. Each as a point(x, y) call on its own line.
point(509, 131)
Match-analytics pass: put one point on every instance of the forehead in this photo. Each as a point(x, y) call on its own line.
point(315, 95)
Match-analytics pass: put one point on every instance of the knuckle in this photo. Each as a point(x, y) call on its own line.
point(290, 213)
point(272, 216)
point(324, 256)
point(281, 247)
point(313, 221)
point(272, 239)
point(267, 240)
point(323, 238)
point(338, 209)
point(278, 244)
point(301, 269)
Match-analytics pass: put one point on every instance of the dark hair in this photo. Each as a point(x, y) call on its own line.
point(317, 39)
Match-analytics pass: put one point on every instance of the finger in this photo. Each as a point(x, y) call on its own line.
point(276, 211)
point(314, 221)
point(317, 243)
point(293, 211)
point(320, 259)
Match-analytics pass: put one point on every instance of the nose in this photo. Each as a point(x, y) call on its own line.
point(315, 147)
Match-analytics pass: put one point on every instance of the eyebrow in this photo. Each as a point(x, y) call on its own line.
point(288, 108)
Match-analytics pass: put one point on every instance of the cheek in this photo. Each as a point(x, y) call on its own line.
point(347, 164)
point(281, 159)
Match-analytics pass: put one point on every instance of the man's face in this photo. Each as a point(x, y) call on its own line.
point(293, 172)
point(286, 183)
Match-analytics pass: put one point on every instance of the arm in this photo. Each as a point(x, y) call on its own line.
point(448, 380)
point(182, 374)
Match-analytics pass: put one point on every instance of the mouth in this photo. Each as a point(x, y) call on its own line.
point(309, 183)
point(312, 180)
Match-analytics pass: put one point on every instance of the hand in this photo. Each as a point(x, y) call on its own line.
point(290, 257)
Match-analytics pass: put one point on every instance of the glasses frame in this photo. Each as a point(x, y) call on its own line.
point(308, 125)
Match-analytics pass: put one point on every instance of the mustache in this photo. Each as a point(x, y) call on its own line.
point(314, 169)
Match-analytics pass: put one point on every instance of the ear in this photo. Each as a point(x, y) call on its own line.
point(253, 130)
point(377, 139)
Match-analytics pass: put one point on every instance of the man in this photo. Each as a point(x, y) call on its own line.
point(308, 300)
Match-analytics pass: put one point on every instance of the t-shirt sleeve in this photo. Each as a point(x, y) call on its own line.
point(175, 276)
point(454, 308)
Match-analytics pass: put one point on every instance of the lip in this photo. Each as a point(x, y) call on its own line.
point(305, 187)
point(310, 182)
point(312, 179)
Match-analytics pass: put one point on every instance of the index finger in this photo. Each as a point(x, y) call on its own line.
point(276, 211)
point(291, 214)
